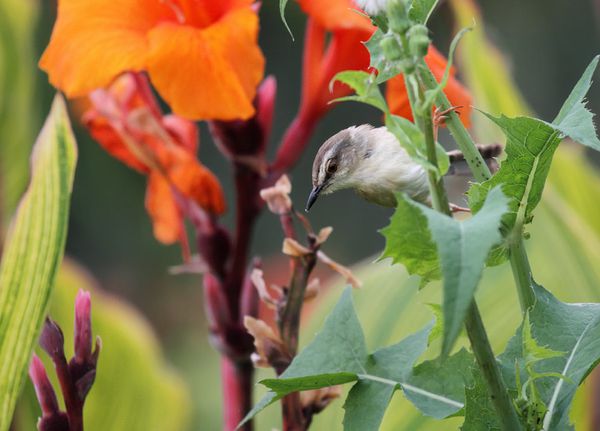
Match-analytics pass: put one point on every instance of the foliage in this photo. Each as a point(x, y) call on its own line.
point(530, 146)
point(338, 355)
point(550, 378)
point(33, 251)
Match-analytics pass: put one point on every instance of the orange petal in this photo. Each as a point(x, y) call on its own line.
point(193, 180)
point(458, 95)
point(336, 14)
point(104, 133)
point(209, 73)
point(166, 218)
point(312, 61)
point(95, 40)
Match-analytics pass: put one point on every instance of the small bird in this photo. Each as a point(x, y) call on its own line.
point(372, 162)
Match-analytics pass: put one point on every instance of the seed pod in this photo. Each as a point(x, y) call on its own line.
point(418, 40)
point(391, 48)
point(397, 16)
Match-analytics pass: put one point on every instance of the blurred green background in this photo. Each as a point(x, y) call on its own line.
point(547, 45)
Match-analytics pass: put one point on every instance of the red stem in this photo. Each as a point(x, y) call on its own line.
point(247, 183)
point(72, 402)
point(236, 379)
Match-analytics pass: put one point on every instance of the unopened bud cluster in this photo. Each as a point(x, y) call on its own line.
point(405, 40)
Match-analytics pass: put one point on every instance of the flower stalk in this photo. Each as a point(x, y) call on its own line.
point(480, 344)
point(517, 254)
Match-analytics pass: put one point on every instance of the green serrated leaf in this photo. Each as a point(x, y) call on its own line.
point(570, 328)
point(282, 5)
point(366, 404)
point(408, 241)
point(365, 86)
point(420, 10)
point(463, 248)
point(530, 147)
point(532, 351)
point(338, 355)
point(480, 414)
point(442, 377)
point(33, 251)
point(574, 119)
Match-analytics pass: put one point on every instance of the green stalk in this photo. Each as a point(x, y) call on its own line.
point(481, 172)
point(476, 331)
point(489, 368)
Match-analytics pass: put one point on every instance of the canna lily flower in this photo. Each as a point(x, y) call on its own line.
point(345, 51)
point(126, 121)
point(459, 96)
point(322, 61)
point(201, 55)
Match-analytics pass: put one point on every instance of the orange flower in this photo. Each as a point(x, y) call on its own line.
point(345, 50)
point(126, 120)
point(201, 55)
point(457, 94)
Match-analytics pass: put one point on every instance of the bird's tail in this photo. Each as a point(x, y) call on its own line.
point(458, 165)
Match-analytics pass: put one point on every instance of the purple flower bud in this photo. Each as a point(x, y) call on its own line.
point(52, 418)
point(83, 328)
point(52, 340)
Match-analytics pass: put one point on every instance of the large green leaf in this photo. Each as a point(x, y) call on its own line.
point(19, 112)
point(33, 251)
point(463, 248)
point(530, 147)
point(408, 241)
point(133, 384)
point(573, 329)
point(338, 355)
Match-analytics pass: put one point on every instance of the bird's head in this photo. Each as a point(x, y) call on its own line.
point(337, 160)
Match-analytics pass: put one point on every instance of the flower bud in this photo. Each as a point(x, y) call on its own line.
point(391, 48)
point(397, 16)
point(52, 340)
point(418, 40)
point(83, 327)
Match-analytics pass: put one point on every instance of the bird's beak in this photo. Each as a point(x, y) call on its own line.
point(312, 198)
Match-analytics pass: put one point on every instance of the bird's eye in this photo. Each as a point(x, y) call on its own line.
point(331, 167)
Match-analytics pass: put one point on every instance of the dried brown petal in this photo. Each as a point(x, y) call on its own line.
point(277, 197)
point(259, 283)
point(291, 247)
point(196, 265)
point(340, 269)
point(312, 289)
point(266, 342)
point(324, 234)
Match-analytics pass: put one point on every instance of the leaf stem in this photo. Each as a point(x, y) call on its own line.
point(473, 323)
point(489, 368)
point(517, 254)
